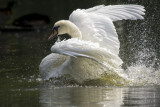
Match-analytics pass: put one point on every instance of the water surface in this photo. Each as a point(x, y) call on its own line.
point(21, 84)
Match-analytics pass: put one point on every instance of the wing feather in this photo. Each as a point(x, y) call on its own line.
point(79, 48)
point(119, 11)
point(96, 23)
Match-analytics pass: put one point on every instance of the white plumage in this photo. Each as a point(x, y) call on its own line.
point(98, 22)
point(94, 46)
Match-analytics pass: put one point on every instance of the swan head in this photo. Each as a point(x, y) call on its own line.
point(65, 27)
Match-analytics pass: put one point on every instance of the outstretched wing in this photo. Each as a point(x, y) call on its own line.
point(96, 24)
point(119, 12)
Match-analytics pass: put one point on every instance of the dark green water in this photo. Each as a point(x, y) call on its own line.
point(21, 53)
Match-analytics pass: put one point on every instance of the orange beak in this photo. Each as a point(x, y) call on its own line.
point(53, 34)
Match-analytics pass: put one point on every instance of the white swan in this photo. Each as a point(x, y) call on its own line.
point(94, 46)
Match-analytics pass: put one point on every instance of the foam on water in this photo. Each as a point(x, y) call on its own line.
point(140, 75)
point(143, 72)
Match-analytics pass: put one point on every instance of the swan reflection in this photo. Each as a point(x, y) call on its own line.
point(100, 96)
point(81, 96)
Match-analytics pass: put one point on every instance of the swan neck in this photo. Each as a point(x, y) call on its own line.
point(74, 31)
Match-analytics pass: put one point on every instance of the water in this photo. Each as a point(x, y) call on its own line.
point(100, 96)
point(21, 53)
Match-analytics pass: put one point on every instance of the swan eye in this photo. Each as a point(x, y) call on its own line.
point(56, 28)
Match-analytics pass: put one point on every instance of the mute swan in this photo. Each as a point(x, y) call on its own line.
point(94, 46)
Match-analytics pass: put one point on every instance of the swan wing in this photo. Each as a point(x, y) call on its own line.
point(96, 24)
point(87, 58)
point(119, 12)
point(80, 48)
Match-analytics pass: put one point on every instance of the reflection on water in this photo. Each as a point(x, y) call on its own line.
point(141, 97)
point(100, 96)
point(81, 96)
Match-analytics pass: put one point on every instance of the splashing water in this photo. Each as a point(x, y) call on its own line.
point(140, 49)
point(143, 73)
point(140, 73)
